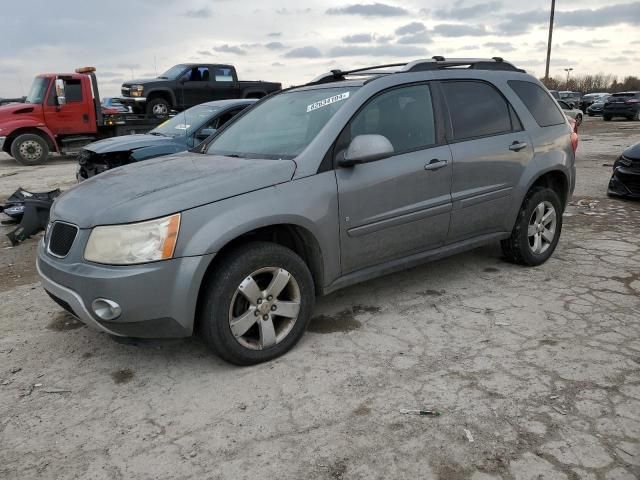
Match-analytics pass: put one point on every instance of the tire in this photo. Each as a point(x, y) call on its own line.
point(518, 247)
point(606, 118)
point(30, 149)
point(265, 334)
point(578, 120)
point(158, 107)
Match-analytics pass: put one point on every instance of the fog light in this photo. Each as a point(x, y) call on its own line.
point(106, 309)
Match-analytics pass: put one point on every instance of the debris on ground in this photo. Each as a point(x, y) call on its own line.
point(467, 432)
point(16, 369)
point(31, 209)
point(55, 390)
point(422, 413)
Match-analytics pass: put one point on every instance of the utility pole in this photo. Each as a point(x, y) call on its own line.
point(568, 70)
point(553, 11)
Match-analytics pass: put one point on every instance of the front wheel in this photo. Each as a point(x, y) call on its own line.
point(257, 304)
point(30, 149)
point(537, 229)
point(158, 107)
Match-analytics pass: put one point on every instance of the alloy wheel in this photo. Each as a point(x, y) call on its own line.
point(160, 109)
point(542, 227)
point(30, 150)
point(264, 308)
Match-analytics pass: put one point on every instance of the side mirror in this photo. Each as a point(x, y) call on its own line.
point(60, 96)
point(205, 133)
point(366, 148)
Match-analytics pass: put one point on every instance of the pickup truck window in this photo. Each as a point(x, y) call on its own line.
point(281, 126)
point(173, 72)
point(224, 75)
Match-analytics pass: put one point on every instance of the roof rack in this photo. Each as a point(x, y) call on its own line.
point(434, 63)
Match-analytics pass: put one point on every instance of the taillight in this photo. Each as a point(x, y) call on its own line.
point(574, 141)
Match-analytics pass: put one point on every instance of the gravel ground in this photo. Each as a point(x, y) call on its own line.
point(536, 371)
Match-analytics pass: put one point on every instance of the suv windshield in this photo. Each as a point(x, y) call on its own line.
point(173, 72)
point(38, 90)
point(186, 122)
point(282, 126)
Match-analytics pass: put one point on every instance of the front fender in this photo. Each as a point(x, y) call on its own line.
point(310, 203)
point(14, 128)
point(163, 90)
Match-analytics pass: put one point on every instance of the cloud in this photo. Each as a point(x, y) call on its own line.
point(128, 66)
point(377, 51)
point(616, 59)
point(369, 10)
point(304, 52)
point(358, 38)
point(464, 13)
point(459, 30)
point(588, 44)
point(226, 48)
point(420, 37)
point(274, 45)
point(277, 64)
point(205, 53)
point(500, 46)
point(413, 27)
point(204, 12)
point(286, 11)
point(274, 34)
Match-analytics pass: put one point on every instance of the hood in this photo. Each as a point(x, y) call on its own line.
point(130, 142)
point(143, 81)
point(165, 185)
point(633, 152)
point(11, 109)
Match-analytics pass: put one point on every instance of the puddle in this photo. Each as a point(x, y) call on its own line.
point(64, 322)
point(343, 321)
point(122, 376)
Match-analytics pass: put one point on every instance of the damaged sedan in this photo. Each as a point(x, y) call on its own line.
point(625, 181)
point(178, 134)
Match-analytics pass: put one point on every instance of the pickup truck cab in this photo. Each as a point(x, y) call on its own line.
point(189, 84)
point(62, 112)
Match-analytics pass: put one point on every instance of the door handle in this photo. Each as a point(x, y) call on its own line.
point(517, 146)
point(436, 164)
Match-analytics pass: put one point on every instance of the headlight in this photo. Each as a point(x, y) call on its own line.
point(134, 243)
point(136, 90)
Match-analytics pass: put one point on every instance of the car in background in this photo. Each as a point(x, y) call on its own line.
point(597, 107)
point(625, 180)
point(115, 104)
point(623, 104)
point(7, 101)
point(555, 94)
point(572, 98)
point(178, 134)
point(589, 99)
point(571, 112)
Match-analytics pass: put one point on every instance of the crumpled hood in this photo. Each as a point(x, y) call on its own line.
point(165, 185)
point(127, 142)
point(633, 152)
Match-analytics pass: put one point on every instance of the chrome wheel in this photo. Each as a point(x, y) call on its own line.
point(542, 227)
point(264, 308)
point(160, 109)
point(30, 150)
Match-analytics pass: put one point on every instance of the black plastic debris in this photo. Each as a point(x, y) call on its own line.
point(30, 210)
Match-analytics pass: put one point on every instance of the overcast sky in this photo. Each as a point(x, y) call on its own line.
point(294, 41)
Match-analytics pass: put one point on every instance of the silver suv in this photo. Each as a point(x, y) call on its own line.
point(355, 175)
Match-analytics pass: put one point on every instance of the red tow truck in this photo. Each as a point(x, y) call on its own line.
point(62, 113)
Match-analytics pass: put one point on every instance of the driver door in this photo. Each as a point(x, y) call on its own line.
point(197, 86)
point(400, 205)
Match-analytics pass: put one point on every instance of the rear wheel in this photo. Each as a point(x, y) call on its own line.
point(258, 304)
point(537, 229)
point(30, 149)
point(158, 107)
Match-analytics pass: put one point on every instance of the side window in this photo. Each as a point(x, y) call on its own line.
point(224, 74)
point(564, 106)
point(477, 109)
point(73, 91)
point(403, 115)
point(197, 74)
point(540, 104)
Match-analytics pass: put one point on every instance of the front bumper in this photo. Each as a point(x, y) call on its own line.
point(158, 299)
point(625, 182)
point(2, 140)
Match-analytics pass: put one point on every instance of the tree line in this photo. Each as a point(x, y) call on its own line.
point(600, 82)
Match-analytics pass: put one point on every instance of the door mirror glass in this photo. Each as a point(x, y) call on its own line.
point(205, 133)
point(60, 95)
point(366, 148)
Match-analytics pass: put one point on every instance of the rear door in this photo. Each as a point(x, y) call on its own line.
point(226, 83)
point(400, 205)
point(490, 151)
point(77, 115)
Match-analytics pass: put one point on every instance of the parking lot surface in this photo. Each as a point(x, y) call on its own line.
point(535, 371)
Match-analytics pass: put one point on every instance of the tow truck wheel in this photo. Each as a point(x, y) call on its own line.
point(158, 107)
point(30, 149)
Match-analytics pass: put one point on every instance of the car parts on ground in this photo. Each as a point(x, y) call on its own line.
point(31, 210)
point(625, 180)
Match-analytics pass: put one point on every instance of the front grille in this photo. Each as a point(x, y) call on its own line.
point(61, 238)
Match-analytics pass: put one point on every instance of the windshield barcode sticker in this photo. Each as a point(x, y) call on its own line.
point(327, 101)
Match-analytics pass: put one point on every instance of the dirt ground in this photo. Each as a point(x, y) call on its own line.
point(535, 371)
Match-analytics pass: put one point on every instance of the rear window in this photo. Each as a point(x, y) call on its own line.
point(540, 104)
point(477, 109)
